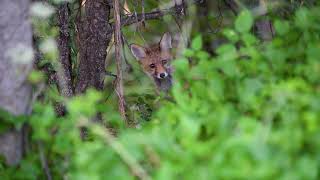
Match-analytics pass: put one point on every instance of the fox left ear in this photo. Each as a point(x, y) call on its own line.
point(165, 42)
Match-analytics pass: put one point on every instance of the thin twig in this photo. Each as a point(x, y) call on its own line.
point(136, 18)
point(220, 19)
point(156, 14)
point(118, 44)
point(35, 95)
point(232, 5)
point(135, 14)
point(114, 83)
point(129, 66)
point(44, 162)
point(143, 14)
point(126, 157)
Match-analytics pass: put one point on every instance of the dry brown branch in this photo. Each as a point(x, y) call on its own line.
point(118, 44)
point(157, 14)
point(128, 20)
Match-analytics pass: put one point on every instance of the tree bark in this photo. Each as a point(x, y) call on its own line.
point(93, 42)
point(264, 27)
point(65, 70)
point(16, 62)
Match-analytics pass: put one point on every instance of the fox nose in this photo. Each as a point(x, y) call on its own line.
point(163, 75)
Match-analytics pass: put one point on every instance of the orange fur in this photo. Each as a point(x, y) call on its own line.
point(155, 61)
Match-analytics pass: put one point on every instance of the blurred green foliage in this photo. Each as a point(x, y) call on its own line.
point(251, 112)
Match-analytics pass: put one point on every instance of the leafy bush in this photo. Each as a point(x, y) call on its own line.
point(251, 112)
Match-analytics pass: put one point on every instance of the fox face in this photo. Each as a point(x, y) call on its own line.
point(155, 61)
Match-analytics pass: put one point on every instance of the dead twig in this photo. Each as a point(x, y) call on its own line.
point(44, 162)
point(129, 66)
point(137, 18)
point(118, 44)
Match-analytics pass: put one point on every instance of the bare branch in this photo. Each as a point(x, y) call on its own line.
point(136, 18)
point(233, 6)
point(118, 44)
point(157, 14)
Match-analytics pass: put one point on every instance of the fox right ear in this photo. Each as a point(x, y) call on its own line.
point(165, 42)
point(138, 52)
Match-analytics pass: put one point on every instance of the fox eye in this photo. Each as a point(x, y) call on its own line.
point(152, 66)
point(164, 61)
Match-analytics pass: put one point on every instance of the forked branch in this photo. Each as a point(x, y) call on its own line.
point(157, 14)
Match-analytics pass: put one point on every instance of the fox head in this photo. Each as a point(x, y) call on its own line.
point(155, 60)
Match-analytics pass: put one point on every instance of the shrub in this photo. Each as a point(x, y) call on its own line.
point(251, 112)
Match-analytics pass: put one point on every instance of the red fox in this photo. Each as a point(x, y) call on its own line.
point(155, 61)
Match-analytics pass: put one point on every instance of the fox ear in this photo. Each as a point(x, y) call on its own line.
point(138, 52)
point(165, 42)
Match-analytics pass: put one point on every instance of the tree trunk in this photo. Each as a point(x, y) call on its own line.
point(64, 73)
point(16, 62)
point(65, 70)
point(263, 26)
point(93, 42)
point(264, 29)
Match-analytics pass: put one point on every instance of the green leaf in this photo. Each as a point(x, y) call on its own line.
point(188, 52)
point(282, 27)
point(197, 43)
point(227, 52)
point(249, 39)
point(8, 117)
point(181, 64)
point(36, 76)
point(202, 55)
point(302, 19)
point(231, 35)
point(244, 22)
